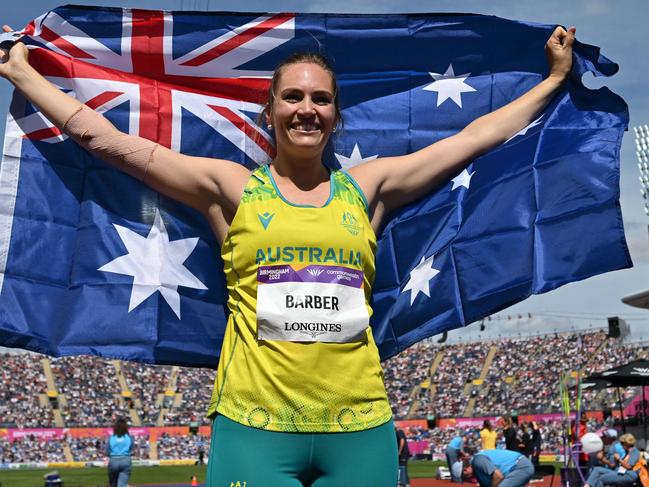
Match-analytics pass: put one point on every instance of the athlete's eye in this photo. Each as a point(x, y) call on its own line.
point(322, 100)
point(291, 97)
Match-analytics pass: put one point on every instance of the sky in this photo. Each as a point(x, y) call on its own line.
point(619, 28)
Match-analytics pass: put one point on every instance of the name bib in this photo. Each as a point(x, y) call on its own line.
point(313, 303)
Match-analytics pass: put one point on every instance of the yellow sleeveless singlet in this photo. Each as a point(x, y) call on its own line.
point(298, 353)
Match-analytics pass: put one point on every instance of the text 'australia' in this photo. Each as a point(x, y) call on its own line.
point(308, 254)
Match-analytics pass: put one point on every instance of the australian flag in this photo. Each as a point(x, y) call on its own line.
point(93, 262)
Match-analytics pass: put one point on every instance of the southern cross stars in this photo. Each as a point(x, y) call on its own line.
point(462, 179)
point(420, 278)
point(524, 130)
point(448, 85)
point(354, 159)
point(155, 263)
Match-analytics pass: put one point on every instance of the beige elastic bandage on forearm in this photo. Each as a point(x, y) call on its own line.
point(96, 134)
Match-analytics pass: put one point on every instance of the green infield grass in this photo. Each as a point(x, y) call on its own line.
point(93, 476)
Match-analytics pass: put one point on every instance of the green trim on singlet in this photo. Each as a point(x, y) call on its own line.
point(281, 196)
point(351, 179)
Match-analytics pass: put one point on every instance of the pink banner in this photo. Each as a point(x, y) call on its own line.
point(61, 433)
point(411, 423)
point(418, 446)
point(103, 432)
point(635, 406)
point(40, 433)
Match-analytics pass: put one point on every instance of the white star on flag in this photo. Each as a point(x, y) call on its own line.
point(448, 85)
point(524, 131)
point(155, 263)
point(420, 278)
point(355, 159)
point(462, 179)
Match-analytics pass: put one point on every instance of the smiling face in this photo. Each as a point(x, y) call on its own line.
point(303, 111)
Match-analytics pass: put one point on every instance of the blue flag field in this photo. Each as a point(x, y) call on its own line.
point(93, 262)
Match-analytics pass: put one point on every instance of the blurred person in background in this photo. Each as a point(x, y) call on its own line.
point(118, 449)
point(512, 442)
point(526, 447)
point(404, 456)
point(537, 442)
point(496, 468)
point(624, 474)
point(488, 436)
point(454, 452)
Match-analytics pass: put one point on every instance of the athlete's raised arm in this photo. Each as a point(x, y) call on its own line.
point(212, 186)
point(392, 182)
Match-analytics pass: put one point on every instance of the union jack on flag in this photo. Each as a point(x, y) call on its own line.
point(92, 261)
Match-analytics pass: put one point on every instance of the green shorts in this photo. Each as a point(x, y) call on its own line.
point(242, 456)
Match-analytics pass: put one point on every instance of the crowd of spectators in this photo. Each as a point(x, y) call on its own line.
point(611, 355)
point(91, 389)
point(94, 448)
point(525, 373)
point(31, 449)
point(553, 435)
point(22, 381)
point(523, 377)
point(182, 447)
point(171, 447)
point(147, 383)
point(405, 371)
point(195, 388)
point(462, 363)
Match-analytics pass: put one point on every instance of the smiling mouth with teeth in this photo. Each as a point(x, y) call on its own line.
point(306, 127)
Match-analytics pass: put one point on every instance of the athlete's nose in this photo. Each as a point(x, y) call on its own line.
point(306, 106)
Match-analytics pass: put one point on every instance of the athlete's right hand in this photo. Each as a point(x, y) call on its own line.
point(13, 58)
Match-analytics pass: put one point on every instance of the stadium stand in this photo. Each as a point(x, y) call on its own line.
point(427, 380)
point(176, 447)
point(147, 385)
point(193, 390)
point(89, 391)
point(403, 372)
point(23, 393)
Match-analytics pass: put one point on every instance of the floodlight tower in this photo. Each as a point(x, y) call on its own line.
point(641, 299)
point(642, 151)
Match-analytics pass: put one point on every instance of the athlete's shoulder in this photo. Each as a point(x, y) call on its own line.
point(259, 187)
point(347, 189)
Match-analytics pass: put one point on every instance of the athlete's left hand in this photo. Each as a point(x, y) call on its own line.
point(558, 50)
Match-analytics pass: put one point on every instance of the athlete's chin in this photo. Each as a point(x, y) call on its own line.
point(308, 143)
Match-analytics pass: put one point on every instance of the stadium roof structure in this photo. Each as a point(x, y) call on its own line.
point(635, 373)
point(639, 300)
point(593, 384)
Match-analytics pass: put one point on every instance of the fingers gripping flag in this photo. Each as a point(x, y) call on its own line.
point(91, 261)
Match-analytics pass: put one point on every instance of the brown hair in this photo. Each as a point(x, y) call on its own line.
point(300, 58)
point(120, 428)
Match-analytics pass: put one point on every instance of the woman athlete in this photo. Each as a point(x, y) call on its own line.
point(299, 398)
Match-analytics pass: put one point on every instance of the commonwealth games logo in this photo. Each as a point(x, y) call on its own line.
point(315, 272)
